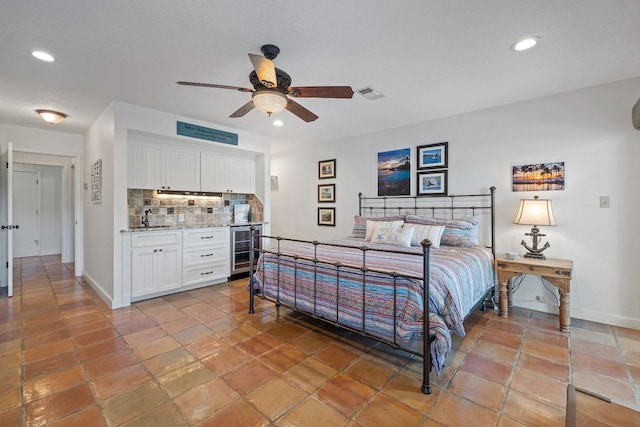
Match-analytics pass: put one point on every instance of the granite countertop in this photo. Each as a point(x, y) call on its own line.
point(185, 227)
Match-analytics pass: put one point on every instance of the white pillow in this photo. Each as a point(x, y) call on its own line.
point(393, 236)
point(421, 232)
point(371, 227)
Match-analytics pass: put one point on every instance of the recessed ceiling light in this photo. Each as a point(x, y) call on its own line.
point(278, 122)
point(43, 56)
point(525, 44)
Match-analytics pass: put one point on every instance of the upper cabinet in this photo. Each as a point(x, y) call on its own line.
point(227, 174)
point(154, 165)
point(163, 167)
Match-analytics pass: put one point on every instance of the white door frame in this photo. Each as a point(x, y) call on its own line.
point(74, 170)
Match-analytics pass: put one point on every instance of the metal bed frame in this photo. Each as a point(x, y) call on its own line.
point(384, 205)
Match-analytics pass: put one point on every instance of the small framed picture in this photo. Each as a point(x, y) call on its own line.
point(327, 169)
point(433, 156)
point(432, 183)
point(327, 216)
point(326, 193)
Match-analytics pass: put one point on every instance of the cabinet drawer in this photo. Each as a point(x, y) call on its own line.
point(219, 253)
point(155, 238)
point(541, 270)
point(205, 237)
point(205, 273)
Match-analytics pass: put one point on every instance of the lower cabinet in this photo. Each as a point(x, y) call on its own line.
point(156, 262)
point(155, 270)
point(168, 261)
point(205, 255)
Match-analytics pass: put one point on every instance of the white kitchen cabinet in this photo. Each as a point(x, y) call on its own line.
point(227, 174)
point(205, 255)
point(156, 263)
point(157, 166)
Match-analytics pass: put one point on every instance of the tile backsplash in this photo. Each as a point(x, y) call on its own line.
point(196, 211)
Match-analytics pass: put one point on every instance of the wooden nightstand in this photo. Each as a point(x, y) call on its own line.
point(555, 271)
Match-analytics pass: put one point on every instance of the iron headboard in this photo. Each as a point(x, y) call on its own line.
point(434, 206)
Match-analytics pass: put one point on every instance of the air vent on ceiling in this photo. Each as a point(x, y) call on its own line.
point(370, 93)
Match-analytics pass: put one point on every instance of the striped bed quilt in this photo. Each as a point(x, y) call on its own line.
point(459, 278)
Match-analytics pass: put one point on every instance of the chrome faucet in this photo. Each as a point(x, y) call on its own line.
point(145, 219)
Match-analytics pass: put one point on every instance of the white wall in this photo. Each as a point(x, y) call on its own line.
point(107, 139)
point(590, 130)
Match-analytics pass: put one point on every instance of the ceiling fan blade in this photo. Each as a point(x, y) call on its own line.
point(265, 70)
point(243, 110)
point(321, 92)
point(241, 89)
point(300, 111)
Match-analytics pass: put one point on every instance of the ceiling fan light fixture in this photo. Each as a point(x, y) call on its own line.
point(51, 117)
point(269, 101)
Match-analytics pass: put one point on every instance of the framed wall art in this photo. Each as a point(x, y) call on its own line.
point(327, 216)
point(394, 172)
point(326, 193)
point(327, 169)
point(433, 183)
point(433, 156)
point(538, 177)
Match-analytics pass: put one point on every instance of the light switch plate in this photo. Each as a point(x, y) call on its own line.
point(604, 201)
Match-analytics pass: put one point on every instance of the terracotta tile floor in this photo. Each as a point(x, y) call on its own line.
point(197, 358)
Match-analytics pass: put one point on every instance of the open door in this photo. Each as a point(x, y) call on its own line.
point(6, 198)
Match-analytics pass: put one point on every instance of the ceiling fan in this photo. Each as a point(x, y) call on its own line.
point(272, 91)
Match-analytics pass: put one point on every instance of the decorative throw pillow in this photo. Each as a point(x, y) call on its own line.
point(360, 224)
point(374, 226)
point(421, 232)
point(393, 236)
point(457, 232)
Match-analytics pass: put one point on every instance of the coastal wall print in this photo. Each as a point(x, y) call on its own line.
point(433, 156)
point(433, 183)
point(327, 169)
point(394, 172)
point(327, 216)
point(538, 177)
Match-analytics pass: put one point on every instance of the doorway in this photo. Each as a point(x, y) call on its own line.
point(55, 233)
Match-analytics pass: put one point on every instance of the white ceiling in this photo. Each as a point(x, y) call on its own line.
point(431, 58)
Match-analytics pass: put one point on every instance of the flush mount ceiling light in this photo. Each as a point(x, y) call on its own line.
point(278, 123)
point(269, 101)
point(43, 56)
point(525, 44)
point(51, 117)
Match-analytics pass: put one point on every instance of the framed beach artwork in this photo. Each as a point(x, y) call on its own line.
point(327, 169)
point(326, 193)
point(394, 172)
point(538, 177)
point(433, 183)
point(327, 216)
point(433, 156)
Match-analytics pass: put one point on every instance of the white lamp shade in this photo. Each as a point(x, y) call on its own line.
point(535, 212)
point(269, 101)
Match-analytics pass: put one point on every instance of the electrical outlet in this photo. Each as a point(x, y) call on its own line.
point(604, 201)
point(540, 299)
point(181, 218)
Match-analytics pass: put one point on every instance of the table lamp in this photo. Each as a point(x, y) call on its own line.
point(535, 212)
